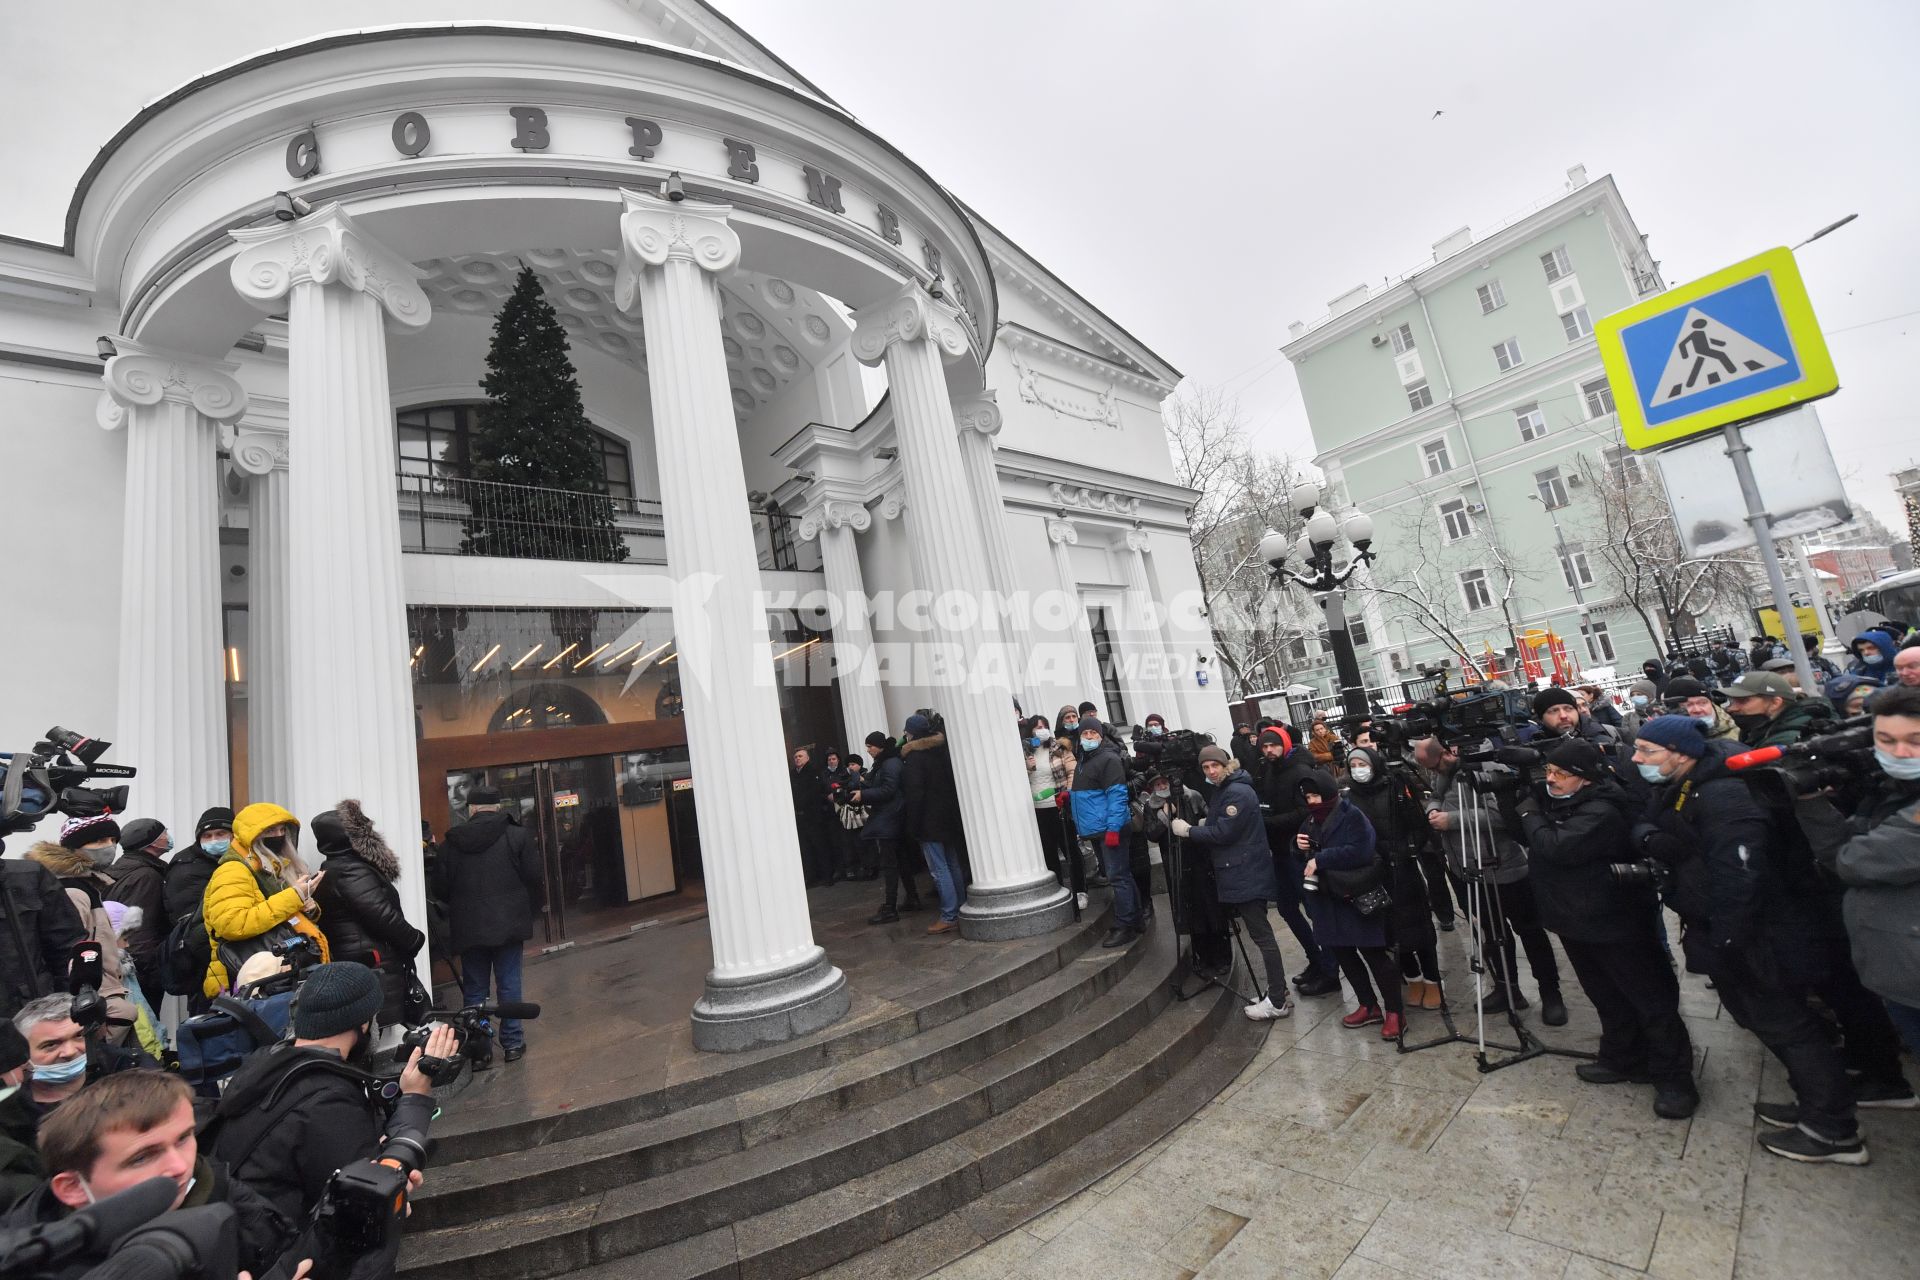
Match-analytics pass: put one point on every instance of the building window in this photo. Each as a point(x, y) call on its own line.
point(1434, 452)
point(1492, 297)
point(1455, 521)
point(1553, 489)
point(1556, 263)
point(1532, 422)
point(436, 441)
point(1507, 354)
point(1419, 395)
point(1474, 590)
point(1106, 657)
point(1357, 631)
point(1599, 642)
point(1623, 464)
point(1576, 324)
point(1599, 397)
point(1574, 566)
point(1402, 339)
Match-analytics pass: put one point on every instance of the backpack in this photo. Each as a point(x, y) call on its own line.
point(185, 956)
point(212, 1045)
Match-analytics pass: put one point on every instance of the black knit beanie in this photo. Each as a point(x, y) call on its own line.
point(335, 997)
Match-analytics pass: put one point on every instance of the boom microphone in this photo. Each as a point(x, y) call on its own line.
point(514, 1010)
point(1752, 759)
point(94, 1229)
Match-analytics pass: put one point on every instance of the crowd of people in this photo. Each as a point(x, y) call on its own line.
point(112, 918)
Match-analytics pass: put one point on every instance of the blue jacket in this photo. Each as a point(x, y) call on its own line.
point(1099, 795)
point(1236, 839)
point(880, 792)
point(1346, 841)
point(1880, 671)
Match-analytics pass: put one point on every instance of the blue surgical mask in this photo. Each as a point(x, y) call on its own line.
point(1651, 772)
point(216, 847)
point(1705, 722)
point(1088, 744)
point(1904, 768)
point(62, 1072)
point(1640, 699)
point(1156, 730)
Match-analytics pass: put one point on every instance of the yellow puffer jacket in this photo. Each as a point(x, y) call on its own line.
point(234, 907)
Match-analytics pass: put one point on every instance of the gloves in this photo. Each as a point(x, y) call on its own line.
point(1181, 827)
point(1059, 799)
point(1113, 839)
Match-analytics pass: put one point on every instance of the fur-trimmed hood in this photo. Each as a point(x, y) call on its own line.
point(348, 822)
point(65, 863)
point(927, 743)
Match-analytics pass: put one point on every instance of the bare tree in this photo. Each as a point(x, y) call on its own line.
point(1258, 632)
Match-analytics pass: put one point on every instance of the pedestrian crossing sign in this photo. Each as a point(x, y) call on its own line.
point(1737, 344)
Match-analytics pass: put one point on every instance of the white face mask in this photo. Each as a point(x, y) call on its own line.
point(1361, 773)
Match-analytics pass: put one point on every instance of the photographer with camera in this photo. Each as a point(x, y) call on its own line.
point(1283, 767)
point(1880, 865)
point(1489, 865)
point(123, 1131)
point(1577, 828)
point(1243, 874)
point(297, 1111)
point(1708, 828)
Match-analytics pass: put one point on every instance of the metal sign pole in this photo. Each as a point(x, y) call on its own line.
point(1757, 516)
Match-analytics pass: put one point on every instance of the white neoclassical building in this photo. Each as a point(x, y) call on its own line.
point(237, 397)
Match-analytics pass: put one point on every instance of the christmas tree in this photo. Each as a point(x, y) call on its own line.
point(544, 493)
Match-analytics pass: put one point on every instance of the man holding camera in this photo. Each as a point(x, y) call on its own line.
point(1233, 836)
point(296, 1112)
point(1705, 824)
point(1576, 826)
point(123, 1131)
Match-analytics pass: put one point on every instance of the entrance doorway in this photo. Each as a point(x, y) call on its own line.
point(604, 826)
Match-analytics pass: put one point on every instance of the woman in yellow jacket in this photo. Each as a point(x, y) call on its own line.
point(259, 885)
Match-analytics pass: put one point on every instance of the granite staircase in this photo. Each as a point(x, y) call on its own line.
point(995, 1097)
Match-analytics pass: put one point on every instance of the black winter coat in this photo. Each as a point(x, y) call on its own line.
point(51, 927)
point(1278, 784)
point(1400, 832)
point(931, 801)
point(140, 880)
point(1572, 841)
point(491, 879)
point(291, 1116)
point(1713, 832)
point(1235, 838)
point(886, 802)
point(361, 916)
point(810, 806)
point(187, 877)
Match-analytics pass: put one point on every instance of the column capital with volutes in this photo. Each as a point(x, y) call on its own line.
point(259, 448)
point(327, 247)
point(1063, 531)
point(141, 376)
point(1137, 541)
point(978, 413)
point(834, 513)
point(907, 315)
point(655, 231)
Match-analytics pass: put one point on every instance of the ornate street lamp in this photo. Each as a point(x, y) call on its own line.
point(1309, 564)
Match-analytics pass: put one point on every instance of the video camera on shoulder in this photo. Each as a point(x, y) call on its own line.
point(47, 780)
point(1837, 759)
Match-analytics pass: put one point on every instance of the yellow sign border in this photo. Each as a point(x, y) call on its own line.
point(1817, 376)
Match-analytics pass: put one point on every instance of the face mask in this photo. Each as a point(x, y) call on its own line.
point(1361, 773)
point(1068, 726)
point(1161, 793)
point(100, 854)
point(1088, 744)
point(1155, 730)
point(62, 1072)
point(1562, 795)
point(1038, 740)
point(1639, 700)
point(1705, 722)
point(216, 847)
point(1651, 772)
point(1316, 803)
point(1904, 768)
point(1751, 720)
point(276, 845)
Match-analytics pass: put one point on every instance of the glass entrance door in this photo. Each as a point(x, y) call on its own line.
point(597, 860)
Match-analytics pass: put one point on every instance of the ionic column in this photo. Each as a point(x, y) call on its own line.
point(834, 523)
point(770, 981)
point(1013, 894)
point(1144, 637)
point(260, 454)
point(1063, 534)
point(172, 695)
point(979, 420)
point(349, 690)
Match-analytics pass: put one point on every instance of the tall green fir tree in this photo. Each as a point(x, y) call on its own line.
point(541, 491)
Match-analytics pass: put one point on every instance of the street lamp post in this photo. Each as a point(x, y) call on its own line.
point(1314, 553)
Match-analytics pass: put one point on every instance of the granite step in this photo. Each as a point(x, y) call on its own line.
point(985, 1117)
point(920, 1212)
point(471, 1134)
point(480, 1189)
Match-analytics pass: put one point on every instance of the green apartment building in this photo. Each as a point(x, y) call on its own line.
point(1463, 406)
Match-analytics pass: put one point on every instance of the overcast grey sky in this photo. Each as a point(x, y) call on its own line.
point(1208, 172)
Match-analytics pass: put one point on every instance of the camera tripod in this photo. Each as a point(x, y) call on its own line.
point(1485, 937)
point(1188, 968)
